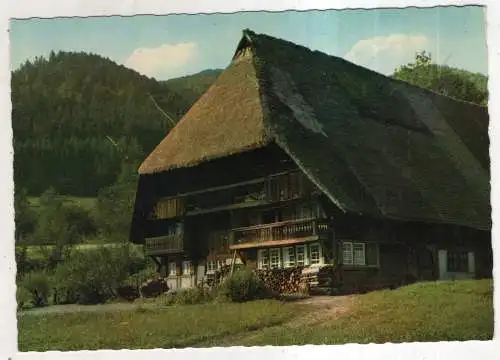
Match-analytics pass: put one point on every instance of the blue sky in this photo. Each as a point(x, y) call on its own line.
point(174, 45)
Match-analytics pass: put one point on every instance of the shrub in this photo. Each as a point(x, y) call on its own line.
point(37, 284)
point(193, 296)
point(23, 297)
point(92, 276)
point(243, 285)
point(138, 278)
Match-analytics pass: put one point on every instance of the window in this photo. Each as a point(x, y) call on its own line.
point(186, 268)
point(354, 254)
point(263, 259)
point(301, 256)
point(172, 269)
point(315, 254)
point(275, 258)
point(211, 267)
point(458, 261)
point(220, 264)
point(347, 256)
point(359, 254)
point(289, 257)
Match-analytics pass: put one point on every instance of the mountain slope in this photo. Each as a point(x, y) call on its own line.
point(77, 117)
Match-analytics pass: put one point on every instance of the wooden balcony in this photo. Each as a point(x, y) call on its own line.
point(257, 192)
point(164, 245)
point(281, 233)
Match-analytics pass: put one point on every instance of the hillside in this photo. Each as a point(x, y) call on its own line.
point(190, 88)
point(78, 117)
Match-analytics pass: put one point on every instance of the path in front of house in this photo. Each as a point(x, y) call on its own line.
point(320, 310)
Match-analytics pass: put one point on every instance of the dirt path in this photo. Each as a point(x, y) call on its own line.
point(322, 309)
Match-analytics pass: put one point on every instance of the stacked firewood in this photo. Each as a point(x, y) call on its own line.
point(282, 281)
point(320, 279)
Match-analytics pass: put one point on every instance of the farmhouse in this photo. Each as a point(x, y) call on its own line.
point(299, 163)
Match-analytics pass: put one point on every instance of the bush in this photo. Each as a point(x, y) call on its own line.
point(193, 296)
point(92, 276)
point(23, 298)
point(38, 285)
point(138, 278)
point(243, 285)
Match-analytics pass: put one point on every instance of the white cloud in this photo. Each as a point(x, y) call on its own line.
point(385, 53)
point(165, 58)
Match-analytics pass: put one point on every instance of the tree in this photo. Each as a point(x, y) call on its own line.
point(24, 216)
point(60, 225)
point(456, 83)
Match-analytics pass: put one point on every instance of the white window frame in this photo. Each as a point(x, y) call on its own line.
point(172, 268)
point(359, 254)
point(305, 261)
point(353, 253)
point(320, 254)
point(211, 266)
point(273, 254)
point(262, 264)
point(187, 269)
point(289, 261)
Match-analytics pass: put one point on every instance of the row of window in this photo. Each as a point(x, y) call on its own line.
point(186, 269)
point(300, 255)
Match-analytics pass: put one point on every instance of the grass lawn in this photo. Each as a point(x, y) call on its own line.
point(174, 326)
point(433, 311)
point(421, 312)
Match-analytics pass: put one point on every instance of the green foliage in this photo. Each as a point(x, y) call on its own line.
point(190, 88)
point(92, 276)
point(78, 117)
point(445, 80)
point(243, 285)
point(139, 277)
point(24, 298)
point(24, 216)
point(38, 285)
point(189, 297)
point(114, 210)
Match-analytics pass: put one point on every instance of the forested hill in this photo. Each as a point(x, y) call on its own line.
point(78, 117)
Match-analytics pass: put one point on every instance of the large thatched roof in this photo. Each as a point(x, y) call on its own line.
point(374, 145)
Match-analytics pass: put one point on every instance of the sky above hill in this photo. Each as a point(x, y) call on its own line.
point(175, 45)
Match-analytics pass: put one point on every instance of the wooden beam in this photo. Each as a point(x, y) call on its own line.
point(273, 243)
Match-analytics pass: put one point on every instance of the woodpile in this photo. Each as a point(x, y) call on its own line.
point(320, 280)
point(283, 281)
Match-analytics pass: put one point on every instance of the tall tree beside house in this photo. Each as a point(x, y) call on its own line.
point(456, 83)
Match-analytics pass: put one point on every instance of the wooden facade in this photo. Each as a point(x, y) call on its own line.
point(273, 217)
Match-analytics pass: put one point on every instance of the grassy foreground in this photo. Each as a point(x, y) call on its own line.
point(173, 326)
point(431, 311)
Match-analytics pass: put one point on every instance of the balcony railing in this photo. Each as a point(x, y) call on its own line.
point(286, 230)
point(272, 189)
point(164, 244)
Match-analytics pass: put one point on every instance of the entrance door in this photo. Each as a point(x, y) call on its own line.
point(426, 264)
